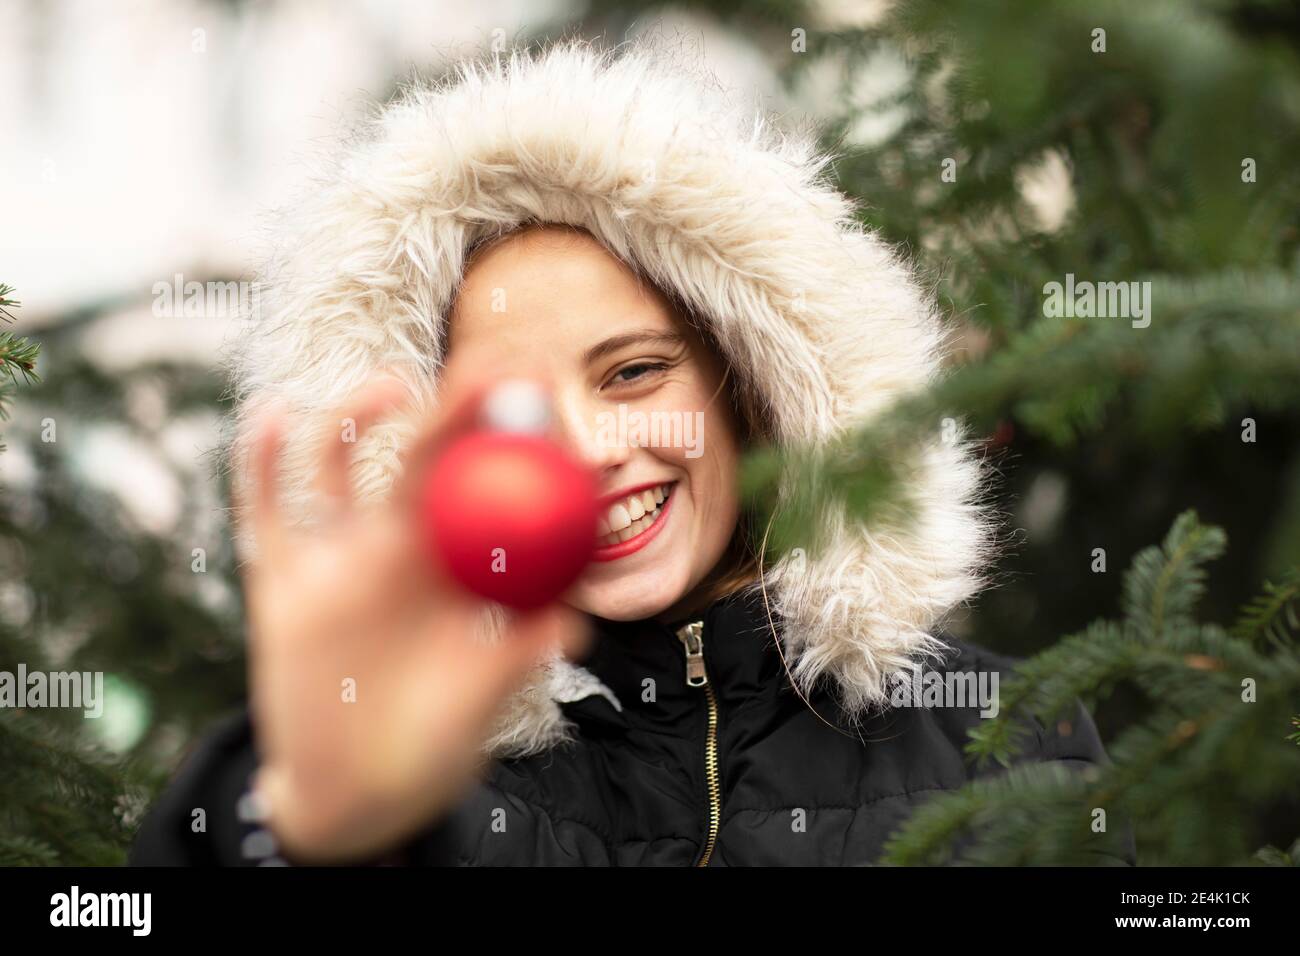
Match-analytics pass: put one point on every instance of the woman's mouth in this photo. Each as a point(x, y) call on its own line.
point(632, 522)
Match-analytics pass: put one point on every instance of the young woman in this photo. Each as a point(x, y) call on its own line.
point(615, 229)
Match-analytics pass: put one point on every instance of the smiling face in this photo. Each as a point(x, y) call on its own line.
point(637, 396)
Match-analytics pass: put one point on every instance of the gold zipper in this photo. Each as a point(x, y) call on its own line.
point(692, 638)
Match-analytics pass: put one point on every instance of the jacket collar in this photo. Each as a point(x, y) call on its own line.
point(643, 664)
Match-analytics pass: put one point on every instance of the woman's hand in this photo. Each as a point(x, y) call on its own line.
point(370, 695)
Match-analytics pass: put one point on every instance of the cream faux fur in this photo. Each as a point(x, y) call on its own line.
point(823, 324)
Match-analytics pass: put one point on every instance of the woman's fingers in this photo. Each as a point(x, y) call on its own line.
point(347, 427)
point(266, 435)
point(457, 414)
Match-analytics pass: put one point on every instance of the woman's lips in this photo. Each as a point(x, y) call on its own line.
point(612, 552)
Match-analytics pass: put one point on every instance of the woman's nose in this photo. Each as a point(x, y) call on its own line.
point(588, 431)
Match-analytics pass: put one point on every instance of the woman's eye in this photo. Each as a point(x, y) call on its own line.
point(631, 373)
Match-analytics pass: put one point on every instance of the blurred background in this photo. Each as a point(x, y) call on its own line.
point(147, 140)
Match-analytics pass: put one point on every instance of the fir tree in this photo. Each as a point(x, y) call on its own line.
point(1195, 772)
point(90, 590)
point(58, 797)
point(1163, 162)
point(17, 356)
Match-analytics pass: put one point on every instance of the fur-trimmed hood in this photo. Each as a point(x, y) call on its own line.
point(821, 322)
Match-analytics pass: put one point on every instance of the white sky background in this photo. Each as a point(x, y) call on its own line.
point(130, 156)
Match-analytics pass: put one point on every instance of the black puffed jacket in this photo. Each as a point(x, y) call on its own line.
point(735, 771)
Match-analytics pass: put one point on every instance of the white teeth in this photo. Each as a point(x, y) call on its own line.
point(630, 517)
point(619, 518)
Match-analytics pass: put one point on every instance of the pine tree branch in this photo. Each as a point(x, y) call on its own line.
point(1272, 614)
point(1220, 709)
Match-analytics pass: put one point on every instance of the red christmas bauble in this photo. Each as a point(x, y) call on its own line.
point(510, 516)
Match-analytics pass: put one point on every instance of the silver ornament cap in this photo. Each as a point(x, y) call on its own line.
point(517, 405)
